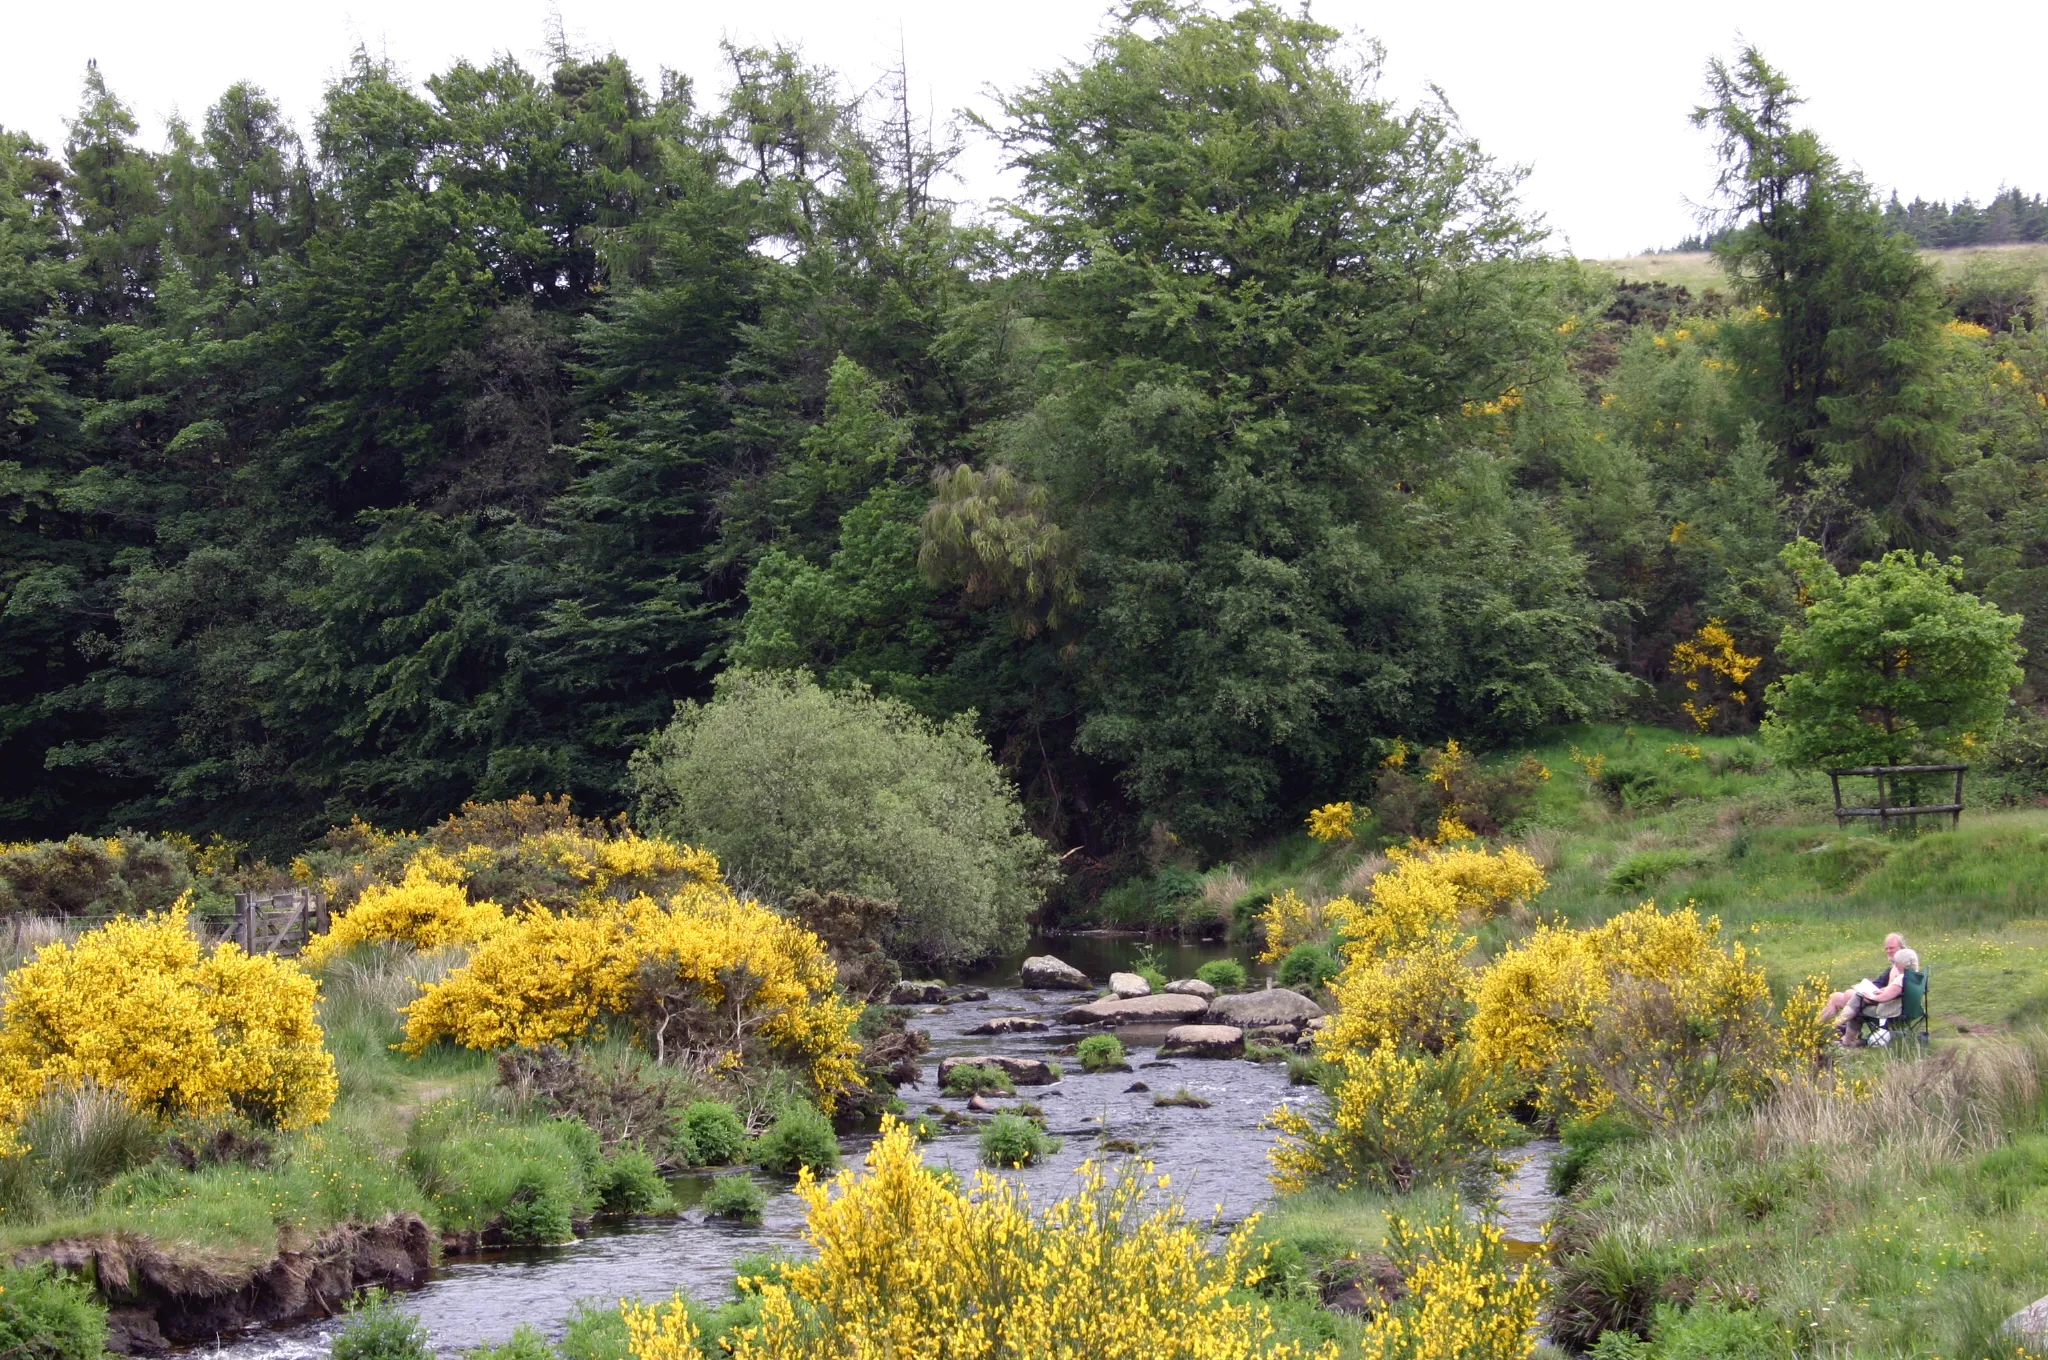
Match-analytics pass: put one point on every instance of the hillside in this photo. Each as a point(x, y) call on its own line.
point(1696, 269)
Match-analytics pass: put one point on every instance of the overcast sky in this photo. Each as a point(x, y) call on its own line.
point(1934, 100)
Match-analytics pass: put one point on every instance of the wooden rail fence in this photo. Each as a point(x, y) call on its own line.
point(1887, 785)
point(279, 923)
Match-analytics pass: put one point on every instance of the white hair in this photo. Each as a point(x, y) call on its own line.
point(1908, 960)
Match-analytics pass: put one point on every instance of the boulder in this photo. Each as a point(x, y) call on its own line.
point(1254, 1010)
point(1191, 987)
point(917, 994)
point(1128, 985)
point(1136, 1010)
point(2029, 1326)
point(1023, 1071)
point(1045, 973)
point(1203, 1041)
point(968, 994)
point(1009, 1024)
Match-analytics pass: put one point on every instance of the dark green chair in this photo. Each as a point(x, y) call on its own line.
point(1912, 1016)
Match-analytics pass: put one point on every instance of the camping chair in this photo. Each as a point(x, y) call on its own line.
point(1912, 1016)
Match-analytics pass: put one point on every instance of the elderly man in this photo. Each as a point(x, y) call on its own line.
point(1875, 992)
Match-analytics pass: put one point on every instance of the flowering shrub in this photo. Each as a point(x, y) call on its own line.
point(1461, 1302)
point(426, 909)
point(1715, 672)
point(710, 978)
point(1452, 784)
point(139, 1006)
point(1332, 822)
point(1396, 1118)
point(1288, 920)
point(909, 1265)
point(1406, 1101)
point(1647, 1013)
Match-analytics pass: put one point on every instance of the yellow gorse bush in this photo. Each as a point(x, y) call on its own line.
point(1711, 655)
point(427, 909)
point(1404, 1099)
point(1332, 822)
point(1649, 1011)
point(1461, 1302)
point(909, 1265)
point(1288, 919)
point(140, 1006)
point(709, 975)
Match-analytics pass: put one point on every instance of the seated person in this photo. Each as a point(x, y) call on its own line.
point(1879, 995)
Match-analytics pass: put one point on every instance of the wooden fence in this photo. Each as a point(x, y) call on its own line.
point(1887, 785)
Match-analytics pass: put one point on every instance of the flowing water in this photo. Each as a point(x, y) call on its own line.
point(1215, 1157)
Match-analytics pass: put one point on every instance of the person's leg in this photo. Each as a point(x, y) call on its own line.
point(1835, 1003)
point(1852, 1011)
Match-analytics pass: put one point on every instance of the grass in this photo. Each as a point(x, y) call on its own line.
point(433, 1135)
point(1904, 1215)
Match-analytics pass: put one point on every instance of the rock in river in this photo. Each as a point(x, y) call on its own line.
point(1136, 1010)
point(1192, 987)
point(1255, 1010)
point(1043, 972)
point(1203, 1041)
point(1023, 1071)
point(917, 994)
point(1128, 985)
point(1009, 1024)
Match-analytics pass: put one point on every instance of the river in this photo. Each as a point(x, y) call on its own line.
point(1216, 1158)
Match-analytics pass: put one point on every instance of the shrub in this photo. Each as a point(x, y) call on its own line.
point(1308, 966)
point(1013, 1140)
point(1451, 784)
point(800, 1137)
point(967, 1079)
point(1225, 975)
point(46, 1316)
point(1099, 1053)
point(525, 1343)
point(1461, 1299)
point(1648, 1012)
point(1395, 1119)
point(800, 788)
point(630, 1184)
point(139, 1006)
point(737, 1196)
point(1287, 919)
point(377, 1329)
point(427, 909)
point(1713, 1331)
point(595, 1331)
point(716, 1136)
point(551, 976)
point(909, 1263)
point(1645, 869)
point(125, 875)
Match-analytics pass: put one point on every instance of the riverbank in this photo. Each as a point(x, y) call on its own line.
point(1632, 813)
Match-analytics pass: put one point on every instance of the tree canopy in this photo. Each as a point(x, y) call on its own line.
point(439, 449)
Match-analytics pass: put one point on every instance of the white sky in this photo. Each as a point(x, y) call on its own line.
point(1593, 97)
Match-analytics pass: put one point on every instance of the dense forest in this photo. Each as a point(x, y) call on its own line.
point(439, 454)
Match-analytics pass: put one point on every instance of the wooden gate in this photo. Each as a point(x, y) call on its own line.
point(279, 923)
point(1887, 786)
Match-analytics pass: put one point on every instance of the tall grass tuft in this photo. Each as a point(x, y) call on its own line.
point(84, 1136)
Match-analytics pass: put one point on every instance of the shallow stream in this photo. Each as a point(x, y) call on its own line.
point(1216, 1158)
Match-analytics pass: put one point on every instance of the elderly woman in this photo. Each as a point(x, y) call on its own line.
point(1878, 997)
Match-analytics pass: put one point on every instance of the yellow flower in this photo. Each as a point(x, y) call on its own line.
point(140, 1006)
